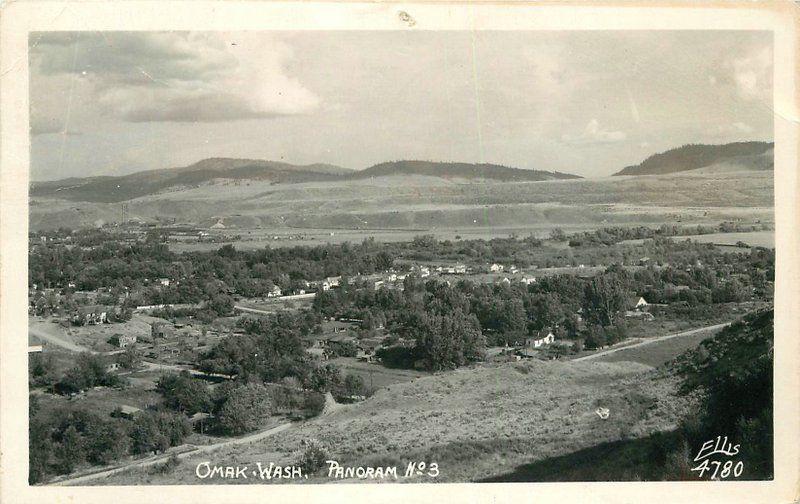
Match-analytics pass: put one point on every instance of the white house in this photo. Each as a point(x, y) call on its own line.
point(528, 280)
point(496, 267)
point(460, 269)
point(639, 303)
point(541, 338)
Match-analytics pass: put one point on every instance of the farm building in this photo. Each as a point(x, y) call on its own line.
point(496, 267)
point(541, 338)
point(92, 315)
point(163, 330)
point(638, 303)
point(126, 411)
point(123, 340)
point(35, 344)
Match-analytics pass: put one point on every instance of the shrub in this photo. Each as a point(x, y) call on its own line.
point(245, 409)
point(313, 456)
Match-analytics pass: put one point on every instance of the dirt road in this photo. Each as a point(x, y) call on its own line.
point(180, 452)
point(51, 333)
point(652, 340)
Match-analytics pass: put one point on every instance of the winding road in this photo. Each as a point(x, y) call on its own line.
point(652, 340)
point(49, 332)
point(181, 452)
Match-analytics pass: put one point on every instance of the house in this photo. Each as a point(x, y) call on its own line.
point(91, 315)
point(164, 281)
point(200, 421)
point(111, 367)
point(218, 225)
point(647, 316)
point(35, 345)
point(123, 340)
point(505, 281)
point(334, 281)
point(163, 330)
point(326, 286)
point(460, 269)
point(496, 267)
point(528, 280)
point(126, 411)
point(541, 338)
point(638, 303)
point(368, 346)
point(512, 269)
point(424, 272)
point(274, 292)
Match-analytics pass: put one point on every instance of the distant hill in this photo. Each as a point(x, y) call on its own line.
point(468, 171)
point(114, 189)
point(111, 189)
point(727, 157)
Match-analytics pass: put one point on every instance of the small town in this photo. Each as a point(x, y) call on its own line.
point(140, 328)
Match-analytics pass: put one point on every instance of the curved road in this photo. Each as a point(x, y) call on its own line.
point(49, 332)
point(192, 450)
point(652, 340)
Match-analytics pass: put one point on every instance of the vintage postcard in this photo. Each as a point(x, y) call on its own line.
point(379, 252)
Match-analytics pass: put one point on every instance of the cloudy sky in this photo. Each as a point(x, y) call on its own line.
point(590, 103)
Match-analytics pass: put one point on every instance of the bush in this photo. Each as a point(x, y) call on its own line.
point(313, 456)
point(245, 409)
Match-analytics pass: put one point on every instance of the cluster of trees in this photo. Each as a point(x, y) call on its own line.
point(65, 438)
point(272, 350)
point(612, 235)
point(201, 276)
point(698, 276)
point(88, 370)
point(733, 372)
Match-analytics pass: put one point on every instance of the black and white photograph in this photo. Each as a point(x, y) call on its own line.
point(400, 256)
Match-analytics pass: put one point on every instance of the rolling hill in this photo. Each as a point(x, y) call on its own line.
point(123, 188)
point(736, 156)
point(469, 171)
point(110, 189)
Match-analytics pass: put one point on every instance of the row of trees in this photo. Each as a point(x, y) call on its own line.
point(64, 439)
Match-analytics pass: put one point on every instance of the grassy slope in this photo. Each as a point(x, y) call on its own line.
point(475, 423)
point(416, 202)
point(732, 156)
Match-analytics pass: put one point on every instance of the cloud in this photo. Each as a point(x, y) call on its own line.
point(752, 73)
point(174, 76)
point(594, 134)
point(737, 128)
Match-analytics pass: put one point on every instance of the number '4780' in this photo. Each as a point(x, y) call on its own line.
point(720, 470)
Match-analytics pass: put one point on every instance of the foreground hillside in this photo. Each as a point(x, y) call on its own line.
point(730, 157)
point(475, 423)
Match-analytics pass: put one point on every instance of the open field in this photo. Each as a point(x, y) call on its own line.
point(375, 375)
point(395, 209)
point(477, 422)
point(659, 352)
point(752, 238)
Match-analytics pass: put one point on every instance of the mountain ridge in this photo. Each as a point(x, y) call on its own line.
point(695, 156)
point(114, 189)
